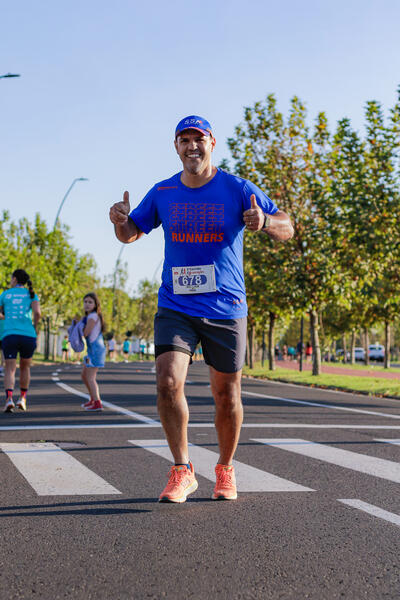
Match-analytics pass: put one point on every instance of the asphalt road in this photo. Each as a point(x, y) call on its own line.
point(317, 517)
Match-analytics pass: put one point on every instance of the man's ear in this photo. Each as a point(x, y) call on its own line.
point(176, 145)
point(213, 142)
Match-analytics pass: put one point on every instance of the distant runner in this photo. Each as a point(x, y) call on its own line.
point(203, 211)
point(19, 335)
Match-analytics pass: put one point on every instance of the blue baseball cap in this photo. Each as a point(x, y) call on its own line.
point(194, 122)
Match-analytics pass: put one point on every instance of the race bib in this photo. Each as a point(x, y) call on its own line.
point(194, 279)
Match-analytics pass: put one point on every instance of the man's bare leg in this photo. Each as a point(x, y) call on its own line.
point(171, 369)
point(226, 389)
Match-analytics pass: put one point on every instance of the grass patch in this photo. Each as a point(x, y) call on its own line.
point(373, 366)
point(375, 386)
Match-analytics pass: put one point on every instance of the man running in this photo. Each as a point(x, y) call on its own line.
point(203, 211)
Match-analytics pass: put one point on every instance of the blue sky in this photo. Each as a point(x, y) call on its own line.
point(103, 86)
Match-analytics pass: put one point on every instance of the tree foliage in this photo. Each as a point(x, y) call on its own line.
point(342, 193)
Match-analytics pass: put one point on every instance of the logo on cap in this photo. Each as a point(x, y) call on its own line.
point(194, 122)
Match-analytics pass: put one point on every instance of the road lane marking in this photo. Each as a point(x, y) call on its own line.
point(111, 406)
point(53, 472)
point(249, 479)
point(388, 441)
point(326, 391)
point(156, 424)
point(378, 467)
point(88, 426)
point(334, 406)
point(370, 509)
point(144, 419)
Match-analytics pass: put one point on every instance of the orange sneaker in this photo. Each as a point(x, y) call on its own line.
point(181, 483)
point(225, 488)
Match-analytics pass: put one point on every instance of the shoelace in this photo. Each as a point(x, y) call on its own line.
point(176, 475)
point(225, 478)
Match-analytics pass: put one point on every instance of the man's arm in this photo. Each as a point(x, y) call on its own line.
point(125, 229)
point(37, 315)
point(278, 226)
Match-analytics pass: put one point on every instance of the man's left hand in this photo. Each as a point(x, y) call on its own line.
point(254, 217)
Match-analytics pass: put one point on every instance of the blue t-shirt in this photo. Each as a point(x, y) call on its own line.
point(203, 226)
point(17, 308)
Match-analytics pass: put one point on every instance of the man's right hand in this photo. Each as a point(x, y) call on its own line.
point(120, 210)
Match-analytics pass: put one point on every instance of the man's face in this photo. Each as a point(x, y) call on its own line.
point(194, 150)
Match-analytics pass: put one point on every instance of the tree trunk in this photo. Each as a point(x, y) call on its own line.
point(55, 341)
point(352, 347)
point(263, 347)
point(316, 356)
point(387, 345)
point(344, 344)
point(47, 338)
point(246, 359)
point(271, 341)
point(251, 346)
point(366, 344)
point(322, 335)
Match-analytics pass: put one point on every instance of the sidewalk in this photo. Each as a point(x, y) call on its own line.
point(337, 370)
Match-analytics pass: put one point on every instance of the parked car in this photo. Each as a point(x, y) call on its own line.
point(376, 352)
point(359, 353)
point(340, 354)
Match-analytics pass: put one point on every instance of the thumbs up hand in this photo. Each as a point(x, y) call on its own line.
point(254, 217)
point(120, 210)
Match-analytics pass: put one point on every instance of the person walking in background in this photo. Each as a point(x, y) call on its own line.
point(19, 305)
point(65, 348)
point(96, 350)
point(203, 211)
point(111, 349)
point(125, 349)
point(308, 352)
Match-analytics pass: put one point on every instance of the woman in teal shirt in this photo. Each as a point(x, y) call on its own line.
point(19, 336)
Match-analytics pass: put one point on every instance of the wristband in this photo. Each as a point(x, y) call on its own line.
point(267, 222)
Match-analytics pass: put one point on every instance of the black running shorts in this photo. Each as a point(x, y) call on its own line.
point(223, 340)
point(22, 344)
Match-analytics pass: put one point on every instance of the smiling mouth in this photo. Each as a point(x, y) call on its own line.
point(193, 155)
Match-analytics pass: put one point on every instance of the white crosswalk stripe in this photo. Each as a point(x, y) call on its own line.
point(53, 472)
point(249, 479)
point(370, 509)
point(378, 467)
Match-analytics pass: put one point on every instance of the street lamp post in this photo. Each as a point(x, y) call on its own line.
point(114, 306)
point(65, 197)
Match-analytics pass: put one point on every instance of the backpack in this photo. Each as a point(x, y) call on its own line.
point(75, 335)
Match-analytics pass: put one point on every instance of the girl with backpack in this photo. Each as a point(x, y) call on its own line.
point(96, 350)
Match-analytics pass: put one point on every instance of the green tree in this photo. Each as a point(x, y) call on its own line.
point(292, 165)
point(146, 303)
point(60, 276)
